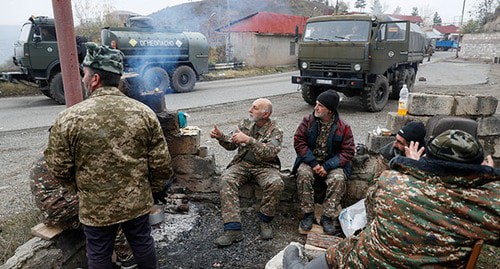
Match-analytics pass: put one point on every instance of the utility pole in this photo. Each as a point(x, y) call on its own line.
point(228, 38)
point(460, 29)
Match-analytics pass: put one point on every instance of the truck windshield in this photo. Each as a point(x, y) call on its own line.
point(337, 31)
point(25, 33)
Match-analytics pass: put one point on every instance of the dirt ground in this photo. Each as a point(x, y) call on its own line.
point(193, 246)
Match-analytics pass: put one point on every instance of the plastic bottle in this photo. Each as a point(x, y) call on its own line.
point(403, 101)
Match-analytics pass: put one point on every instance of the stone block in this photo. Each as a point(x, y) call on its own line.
point(195, 173)
point(169, 123)
point(475, 105)
point(395, 122)
point(375, 142)
point(491, 145)
point(423, 104)
point(188, 142)
point(489, 125)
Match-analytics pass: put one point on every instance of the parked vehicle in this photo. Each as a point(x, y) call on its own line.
point(359, 55)
point(446, 45)
point(164, 58)
point(37, 55)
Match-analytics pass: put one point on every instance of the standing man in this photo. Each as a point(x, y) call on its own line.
point(325, 147)
point(113, 148)
point(258, 141)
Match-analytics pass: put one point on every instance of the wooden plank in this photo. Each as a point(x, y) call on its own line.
point(322, 240)
point(46, 232)
point(317, 229)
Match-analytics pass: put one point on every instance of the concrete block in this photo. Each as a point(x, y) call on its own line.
point(188, 142)
point(491, 145)
point(489, 125)
point(375, 142)
point(423, 104)
point(395, 122)
point(169, 123)
point(475, 105)
point(195, 173)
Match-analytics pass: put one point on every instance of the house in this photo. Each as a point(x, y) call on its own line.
point(447, 31)
point(264, 38)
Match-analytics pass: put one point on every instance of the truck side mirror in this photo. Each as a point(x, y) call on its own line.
point(296, 33)
point(37, 38)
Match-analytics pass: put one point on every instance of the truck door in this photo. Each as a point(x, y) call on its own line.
point(43, 49)
point(390, 46)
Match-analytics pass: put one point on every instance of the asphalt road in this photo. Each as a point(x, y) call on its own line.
point(20, 113)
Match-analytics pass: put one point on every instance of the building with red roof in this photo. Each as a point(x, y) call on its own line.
point(264, 38)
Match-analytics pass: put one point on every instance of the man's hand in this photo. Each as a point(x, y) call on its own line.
point(239, 137)
point(489, 161)
point(216, 133)
point(413, 152)
point(318, 169)
point(160, 197)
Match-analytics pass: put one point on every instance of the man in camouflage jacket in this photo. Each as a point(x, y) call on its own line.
point(113, 147)
point(258, 141)
point(427, 213)
point(325, 147)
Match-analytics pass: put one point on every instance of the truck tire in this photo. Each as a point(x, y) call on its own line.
point(46, 91)
point(396, 88)
point(156, 77)
point(57, 89)
point(183, 79)
point(375, 98)
point(309, 94)
point(412, 76)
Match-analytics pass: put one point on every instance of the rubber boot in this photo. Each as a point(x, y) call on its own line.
point(328, 226)
point(229, 237)
point(306, 223)
point(266, 230)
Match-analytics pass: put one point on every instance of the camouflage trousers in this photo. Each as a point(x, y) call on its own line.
point(335, 190)
point(268, 178)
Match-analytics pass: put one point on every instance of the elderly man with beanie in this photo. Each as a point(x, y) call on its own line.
point(113, 149)
point(325, 147)
point(429, 211)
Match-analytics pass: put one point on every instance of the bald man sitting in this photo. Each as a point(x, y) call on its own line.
point(258, 141)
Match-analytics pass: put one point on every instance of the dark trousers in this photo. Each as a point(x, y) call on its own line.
point(100, 243)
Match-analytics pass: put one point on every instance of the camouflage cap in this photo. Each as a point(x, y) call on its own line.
point(455, 146)
point(103, 58)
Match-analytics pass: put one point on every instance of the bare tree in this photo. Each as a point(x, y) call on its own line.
point(91, 17)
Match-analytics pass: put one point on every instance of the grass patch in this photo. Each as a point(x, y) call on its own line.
point(246, 72)
point(15, 232)
point(8, 89)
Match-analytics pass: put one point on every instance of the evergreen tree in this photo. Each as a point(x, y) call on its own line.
point(414, 11)
point(397, 10)
point(436, 20)
point(377, 7)
point(360, 4)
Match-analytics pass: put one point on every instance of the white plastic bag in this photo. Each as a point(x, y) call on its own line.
point(353, 218)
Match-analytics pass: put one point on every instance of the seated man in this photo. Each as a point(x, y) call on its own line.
point(412, 131)
point(258, 141)
point(428, 211)
point(325, 147)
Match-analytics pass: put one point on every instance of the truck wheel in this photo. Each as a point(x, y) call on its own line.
point(309, 94)
point(412, 75)
point(46, 91)
point(156, 77)
point(183, 79)
point(403, 79)
point(375, 98)
point(57, 89)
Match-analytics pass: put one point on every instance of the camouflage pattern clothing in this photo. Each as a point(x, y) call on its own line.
point(427, 213)
point(114, 148)
point(256, 160)
point(58, 203)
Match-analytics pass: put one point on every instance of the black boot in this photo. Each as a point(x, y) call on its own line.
point(328, 226)
point(306, 223)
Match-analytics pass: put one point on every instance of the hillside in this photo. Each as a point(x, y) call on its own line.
point(208, 15)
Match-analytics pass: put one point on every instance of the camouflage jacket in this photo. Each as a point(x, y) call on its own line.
point(114, 148)
point(427, 214)
point(265, 146)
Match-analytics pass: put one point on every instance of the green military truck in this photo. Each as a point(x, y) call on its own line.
point(164, 58)
point(359, 55)
point(37, 56)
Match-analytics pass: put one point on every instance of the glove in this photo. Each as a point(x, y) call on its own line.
point(159, 197)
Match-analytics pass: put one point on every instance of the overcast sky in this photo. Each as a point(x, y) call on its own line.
point(15, 12)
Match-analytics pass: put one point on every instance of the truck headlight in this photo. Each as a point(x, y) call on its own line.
point(304, 65)
point(357, 67)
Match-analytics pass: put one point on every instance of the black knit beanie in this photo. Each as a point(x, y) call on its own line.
point(413, 131)
point(330, 99)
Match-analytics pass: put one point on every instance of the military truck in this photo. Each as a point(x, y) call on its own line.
point(37, 55)
point(359, 55)
point(164, 58)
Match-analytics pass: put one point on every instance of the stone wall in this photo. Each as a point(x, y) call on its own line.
point(484, 46)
